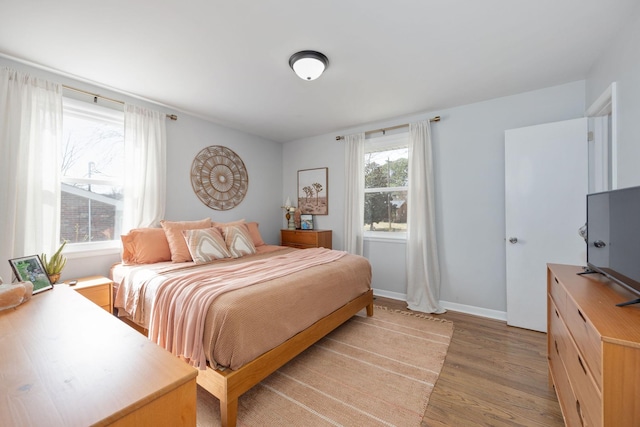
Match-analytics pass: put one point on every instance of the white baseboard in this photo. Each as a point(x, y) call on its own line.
point(476, 311)
point(462, 308)
point(389, 294)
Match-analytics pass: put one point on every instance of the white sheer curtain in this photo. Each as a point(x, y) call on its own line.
point(145, 166)
point(30, 137)
point(354, 194)
point(423, 271)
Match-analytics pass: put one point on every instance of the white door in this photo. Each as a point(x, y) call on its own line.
point(546, 168)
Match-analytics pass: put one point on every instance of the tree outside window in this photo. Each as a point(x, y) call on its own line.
point(386, 184)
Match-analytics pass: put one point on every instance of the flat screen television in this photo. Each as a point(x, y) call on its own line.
point(613, 237)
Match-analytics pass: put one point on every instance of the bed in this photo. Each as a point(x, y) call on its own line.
point(281, 300)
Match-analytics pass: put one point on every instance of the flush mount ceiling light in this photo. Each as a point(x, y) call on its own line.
point(308, 64)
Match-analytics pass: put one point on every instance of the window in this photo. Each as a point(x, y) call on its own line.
point(386, 180)
point(92, 166)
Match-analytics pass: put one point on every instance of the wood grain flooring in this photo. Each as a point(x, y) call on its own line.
point(494, 375)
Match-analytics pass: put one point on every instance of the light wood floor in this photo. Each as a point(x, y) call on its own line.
point(494, 375)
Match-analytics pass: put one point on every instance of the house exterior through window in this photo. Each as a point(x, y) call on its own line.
point(92, 167)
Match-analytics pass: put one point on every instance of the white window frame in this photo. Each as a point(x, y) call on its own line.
point(107, 114)
point(381, 143)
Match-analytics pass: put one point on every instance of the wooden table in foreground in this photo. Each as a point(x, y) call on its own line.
point(66, 362)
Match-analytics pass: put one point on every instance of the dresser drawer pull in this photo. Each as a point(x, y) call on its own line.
point(579, 412)
point(556, 279)
point(556, 344)
point(582, 365)
point(557, 315)
point(582, 316)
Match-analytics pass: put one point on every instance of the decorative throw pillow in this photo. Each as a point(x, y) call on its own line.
point(252, 227)
point(145, 246)
point(177, 244)
point(205, 245)
point(238, 240)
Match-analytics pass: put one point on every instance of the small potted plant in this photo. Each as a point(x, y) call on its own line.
point(54, 265)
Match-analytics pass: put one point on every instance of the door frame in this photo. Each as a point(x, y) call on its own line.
point(607, 104)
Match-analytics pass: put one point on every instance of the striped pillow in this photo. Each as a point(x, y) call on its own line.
point(205, 245)
point(238, 240)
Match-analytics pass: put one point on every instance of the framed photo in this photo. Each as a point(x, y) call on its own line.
point(306, 222)
point(313, 191)
point(30, 268)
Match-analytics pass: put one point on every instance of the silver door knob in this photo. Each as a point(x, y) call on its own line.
point(513, 240)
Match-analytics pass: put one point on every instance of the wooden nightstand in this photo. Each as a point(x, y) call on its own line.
point(97, 289)
point(306, 238)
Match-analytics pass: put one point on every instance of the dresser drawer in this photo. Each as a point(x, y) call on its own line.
point(98, 294)
point(306, 238)
point(97, 289)
point(587, 393)
point(300, 237)
point(587, 338)
point(561, 384)
point(557, 331)
point(557, 293)
point(558, 340)
point(584, 400)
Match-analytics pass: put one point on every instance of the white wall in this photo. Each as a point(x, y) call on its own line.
point(262, 158)
point(185, 138)
point(469, 173)
point(620, 63)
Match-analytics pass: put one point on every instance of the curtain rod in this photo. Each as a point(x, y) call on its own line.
point(383, 130)
point(96, 96)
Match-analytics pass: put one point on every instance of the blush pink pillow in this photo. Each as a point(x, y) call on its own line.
point(145, 246)
point(254, 232)
point(227, 224)
point(177, 244)
point(252, 227)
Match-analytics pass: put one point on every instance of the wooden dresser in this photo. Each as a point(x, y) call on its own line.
point(64, 361)
point(593, 349)
point(306, 238)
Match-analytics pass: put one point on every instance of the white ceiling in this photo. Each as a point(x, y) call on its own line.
point(227, 61)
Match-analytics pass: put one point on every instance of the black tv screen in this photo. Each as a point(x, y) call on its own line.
point(613, 235)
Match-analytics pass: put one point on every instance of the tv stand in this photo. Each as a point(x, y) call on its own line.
point(587, 270)
point(630, 302)
point(593, 349)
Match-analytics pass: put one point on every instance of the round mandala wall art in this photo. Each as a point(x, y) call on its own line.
point(219, 178)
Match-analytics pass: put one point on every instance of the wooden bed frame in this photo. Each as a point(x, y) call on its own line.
point(229, 385)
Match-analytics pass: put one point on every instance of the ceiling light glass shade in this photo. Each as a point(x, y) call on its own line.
point(308, 64)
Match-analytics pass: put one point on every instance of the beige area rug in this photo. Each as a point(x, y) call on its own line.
point(370, 371)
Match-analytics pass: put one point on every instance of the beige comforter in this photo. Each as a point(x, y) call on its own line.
point(288, 291)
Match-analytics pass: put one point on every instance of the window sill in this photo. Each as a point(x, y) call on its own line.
point(385, 237)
